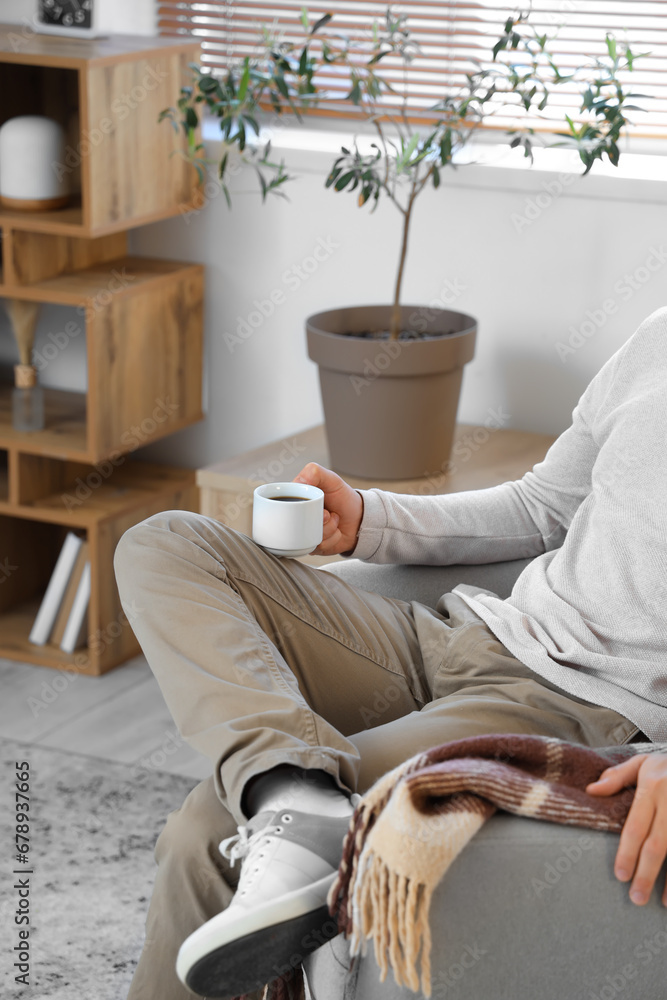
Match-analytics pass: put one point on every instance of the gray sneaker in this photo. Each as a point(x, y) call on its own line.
point(279, 912)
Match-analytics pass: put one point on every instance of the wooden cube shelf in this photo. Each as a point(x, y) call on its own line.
point(107, 94)
point(141, 321)
point(31, 537)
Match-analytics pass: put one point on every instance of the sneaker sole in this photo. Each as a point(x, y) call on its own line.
point(250, 962)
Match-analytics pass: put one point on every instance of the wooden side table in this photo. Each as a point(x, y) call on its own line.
point(481, 457)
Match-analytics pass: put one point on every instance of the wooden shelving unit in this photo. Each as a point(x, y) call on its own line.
point(142, 321)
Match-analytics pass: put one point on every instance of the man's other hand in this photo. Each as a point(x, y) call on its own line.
point(343, 509)
point(643, 844)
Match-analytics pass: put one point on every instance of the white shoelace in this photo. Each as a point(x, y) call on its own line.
point(250, 849)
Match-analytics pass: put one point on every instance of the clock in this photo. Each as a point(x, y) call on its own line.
point(73, 18)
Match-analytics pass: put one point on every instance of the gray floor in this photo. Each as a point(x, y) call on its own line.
point(120, 716)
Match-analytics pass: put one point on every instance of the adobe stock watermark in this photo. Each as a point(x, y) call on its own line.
point(372, 714)
point(467, 445)
point(256, 659)
point(653, 946)
point(535, 205)
point(59, 340)
point(132, 438)
point(120, 108)
point(171, 743)
point(6, 570)
point(118, 282)
point(625, 288)
point(273, 471)
point(22, 34)
point(291, 279)
point(455, 971)
point(554, 870)
point(50, 691)
point(418, 321)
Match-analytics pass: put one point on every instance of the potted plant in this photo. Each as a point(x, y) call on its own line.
point(391, 374)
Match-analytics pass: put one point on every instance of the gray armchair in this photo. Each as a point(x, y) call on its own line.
point(530, 910)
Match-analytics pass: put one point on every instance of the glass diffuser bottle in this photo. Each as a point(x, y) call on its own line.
point(27, 400)
point(27, 395)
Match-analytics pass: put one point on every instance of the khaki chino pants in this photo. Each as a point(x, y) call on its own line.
point(264, 661)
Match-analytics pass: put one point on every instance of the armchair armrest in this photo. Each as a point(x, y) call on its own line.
point(427, 583)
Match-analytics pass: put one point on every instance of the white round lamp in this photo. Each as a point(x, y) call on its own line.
point(33, 176)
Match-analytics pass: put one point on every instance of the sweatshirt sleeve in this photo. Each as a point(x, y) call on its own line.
point(512, 521)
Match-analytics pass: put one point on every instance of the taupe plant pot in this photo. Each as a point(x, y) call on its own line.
point(390, 406)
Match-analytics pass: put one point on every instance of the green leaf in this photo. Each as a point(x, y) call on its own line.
point(436, 177)
point(499, 46)
point(281, 85)
point(252, 122)
point(303, 61)
point(611, 45)
point(332, 176)
point(281, 62)
point(344, 180)
point(191, 119)
point(207, 84)
point(223, 164)
point(446, 147)
point(365, 194)
point(245, 79)
point(304, 18)
point(378, 55)
point(320, 24)
point(412, 145)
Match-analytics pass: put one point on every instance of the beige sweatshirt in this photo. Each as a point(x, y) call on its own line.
point(589, 613)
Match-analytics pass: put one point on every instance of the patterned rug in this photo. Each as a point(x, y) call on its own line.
point(92, 832)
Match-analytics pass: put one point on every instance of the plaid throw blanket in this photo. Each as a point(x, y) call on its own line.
point(413, 822)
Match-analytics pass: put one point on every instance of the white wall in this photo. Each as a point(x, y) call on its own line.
point(126, 16)
point(528, 283)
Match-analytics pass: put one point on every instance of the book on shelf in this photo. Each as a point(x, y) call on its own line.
point(55, 590)
point(70, 593)
point(76, 627)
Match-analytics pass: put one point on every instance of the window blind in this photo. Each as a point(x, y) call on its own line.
point(450, 36)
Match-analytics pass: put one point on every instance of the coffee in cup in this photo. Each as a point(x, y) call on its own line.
point(287, 518)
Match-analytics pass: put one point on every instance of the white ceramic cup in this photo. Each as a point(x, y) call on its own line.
point(287, 527)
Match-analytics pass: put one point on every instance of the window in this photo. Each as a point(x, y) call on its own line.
point(450, 35)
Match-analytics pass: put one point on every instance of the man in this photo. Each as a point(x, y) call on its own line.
point(269, 668)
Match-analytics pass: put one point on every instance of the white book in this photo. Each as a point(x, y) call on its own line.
point(74, 633)
point(57, 585)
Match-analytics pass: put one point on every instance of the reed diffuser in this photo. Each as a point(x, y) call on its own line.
point(27, 395)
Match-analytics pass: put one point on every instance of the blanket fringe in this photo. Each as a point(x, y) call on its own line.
point(415, 820)
point(392, 910)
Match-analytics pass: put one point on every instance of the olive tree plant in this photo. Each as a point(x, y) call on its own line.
point(517, 79)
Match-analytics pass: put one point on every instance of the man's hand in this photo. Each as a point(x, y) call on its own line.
point(643, 845)
point(343, 509)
